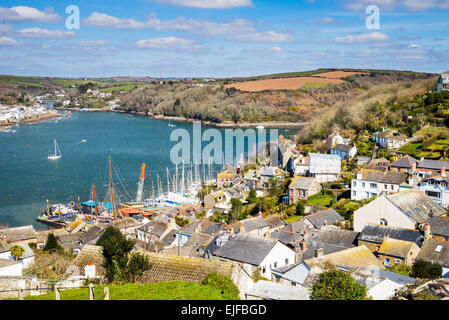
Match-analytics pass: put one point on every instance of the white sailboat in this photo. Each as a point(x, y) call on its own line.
point(57, 154)
point(170, 124)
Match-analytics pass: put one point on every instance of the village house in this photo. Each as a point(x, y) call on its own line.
point(155, 230)
point(428, 167)
point(19, 234)
point(389, 139)
point(302, 188)
point(218, 199)
point(373, 236)
point(439, 227)
point(405, 164)
point(324, 167)
point(443, 82)
point(127, 226)
point(371, 183)
point(394, 251)
point(274, 222)
point(323, 218)
point(335, 138)
point(256, 226)
point(405, 209)
point(284, 154)
point(225, 177)
point(255, 253)
point(436, 251)
point(380, 164)
point(437, 188)
point(301, 163)
point(344, 151)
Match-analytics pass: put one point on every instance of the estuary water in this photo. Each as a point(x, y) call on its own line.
point(28, 178)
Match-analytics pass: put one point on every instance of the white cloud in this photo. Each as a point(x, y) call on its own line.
point(389, 5)
point(93, 43)
point(363, 38)
point(209, 4)
point(166, 43)
point(236, 26)
point(5, 41)
point(38, 33)
point(28, 14)
point(266, 36)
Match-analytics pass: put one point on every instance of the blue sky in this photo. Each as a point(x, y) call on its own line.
point(220, 38)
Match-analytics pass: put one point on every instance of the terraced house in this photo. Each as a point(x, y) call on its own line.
point(371, 183)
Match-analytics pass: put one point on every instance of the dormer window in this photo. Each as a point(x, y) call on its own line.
point(438, 248)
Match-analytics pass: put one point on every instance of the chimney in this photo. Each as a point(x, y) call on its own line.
point(318, 253)
point(303, 245)
point(427, 233)
point(325, 223)
point(443, 171)
point(413, 167)
point(422, 158)
point(387, 236)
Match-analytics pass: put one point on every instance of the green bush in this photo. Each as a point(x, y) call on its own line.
point(222, 282)
point(137, 265)
point(426, 270)
point(52, 244)
point(337, 285)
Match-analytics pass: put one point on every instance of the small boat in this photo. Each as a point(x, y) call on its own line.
point(171, 124)
point(84, 140)
point(260, 127)
point(57, 154)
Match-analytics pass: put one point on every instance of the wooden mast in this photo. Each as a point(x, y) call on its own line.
point(95, 199)
point(111, 185)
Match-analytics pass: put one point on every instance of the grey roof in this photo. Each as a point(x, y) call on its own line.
point(154, 227)
point(246, 248)
point(303, 183)
point(392, 276)
point(338, 237)
point(190, 228)
point(416, 204)
point(269, 171)
point(278, 291)
point(377, 233)
point(405, 162)
point(92, 235)
point(439, 225)
point(318, 218)
point(253, 223)
point(324, 163)
point(169, 237)
point(432, 164)
point(6, 263)
point(20, 233)
point(288, 238)
point(274, 221)
point(429, 254)
point(297, 226)
point(343, 147)
point(312, 245)
point(389, 133)
point(384, 177)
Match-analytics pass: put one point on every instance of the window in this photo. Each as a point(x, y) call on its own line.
point(354, 184)
point(383, 222)
point(398, 261)
point(275, 264)
point(433, 194)
point(387, 262)
point(286, 261)
point(363, 184)
point(438, 248)
point(373, 185)
point(385, 186)
point(377, 248)
point(264, 269)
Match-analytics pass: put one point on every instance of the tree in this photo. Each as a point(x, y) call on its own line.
point(337, 285)
point(300, 208)
point(236, 209)
point(426, 270)
point(52, 245)
point(17, 252)
point(137, 265)
point(252, 197)
point(115, 250)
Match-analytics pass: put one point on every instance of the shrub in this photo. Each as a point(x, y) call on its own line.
point(137, 265)
point(337, 285)
point(52, 244)
point(222, 282)
point(426, 270)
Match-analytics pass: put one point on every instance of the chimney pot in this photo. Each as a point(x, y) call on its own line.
point(318, 253)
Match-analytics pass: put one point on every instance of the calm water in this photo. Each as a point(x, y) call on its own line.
point(28, 178)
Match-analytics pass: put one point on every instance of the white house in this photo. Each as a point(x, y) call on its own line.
point(404, 209)
point(371, 183)
point(254, 252)
point(324, 167)
point(443, 82)
point(10, 268)
point(437, 188)
point(389, 139)
point(344, 151)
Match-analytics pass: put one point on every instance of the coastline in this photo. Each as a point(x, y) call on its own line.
point(268, 124)
point(43, 117)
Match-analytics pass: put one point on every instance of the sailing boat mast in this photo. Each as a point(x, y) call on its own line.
point(111, 186)
point(95, 199)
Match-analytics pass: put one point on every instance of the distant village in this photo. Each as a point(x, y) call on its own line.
point(274, 223)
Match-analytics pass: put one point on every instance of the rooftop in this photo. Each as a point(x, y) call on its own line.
point(396, 248)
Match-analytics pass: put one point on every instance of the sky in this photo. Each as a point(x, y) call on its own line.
point(220, 38)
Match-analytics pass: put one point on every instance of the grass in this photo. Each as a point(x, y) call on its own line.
point(410, 147)
point(170, 290)
point(292, 219)
point(315, 85)
point(319, 198)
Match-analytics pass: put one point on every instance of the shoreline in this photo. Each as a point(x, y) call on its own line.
point(268, 124)
point(31, 120)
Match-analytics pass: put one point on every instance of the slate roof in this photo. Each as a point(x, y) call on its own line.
point(377, 233)
point(395, 248)
point(190, 228)
point(318, 218)
point(324, 163)
point(126, 222)
point(378, 164)
point(429, 254)
point(432, 164)
point(92, 235)
point(297, 226)
point(247, 249)
point(389, 133)
point(278, 291)
point(439, 225)
point(154, 227)
point(338, 237)
point(303, 183)
point(274, 221)
point(405, 162)
point(384, 177)
point(416, 204)
point(251, 224)
point(287, 238)
point(343, 147)
point(166, 267)
point(20, 233)
point(359, 256)
point(89, 253)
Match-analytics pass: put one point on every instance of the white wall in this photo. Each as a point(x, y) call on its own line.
point(13, 270)
point(278, 254)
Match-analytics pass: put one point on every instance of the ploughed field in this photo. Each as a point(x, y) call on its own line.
point(333, 77)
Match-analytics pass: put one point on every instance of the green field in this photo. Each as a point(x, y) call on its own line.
point(171, 290)
point(321, 199)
